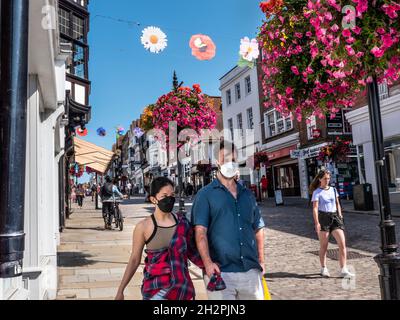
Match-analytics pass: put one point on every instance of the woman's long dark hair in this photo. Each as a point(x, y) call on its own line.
point(316, 182)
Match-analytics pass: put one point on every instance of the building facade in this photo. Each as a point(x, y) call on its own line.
point(240, 109)
point(73, 21)
point(44, 171)
point(360, 122)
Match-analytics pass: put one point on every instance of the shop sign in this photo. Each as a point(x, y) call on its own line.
point(308, 153)
point(281, 153)
point(336, 122)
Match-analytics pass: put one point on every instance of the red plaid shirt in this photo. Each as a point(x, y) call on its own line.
point(167, 269)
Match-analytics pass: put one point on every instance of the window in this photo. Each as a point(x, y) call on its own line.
point(276, 124)
point(79, 61)
point(237, 92)
point(239, 118)
point(229, 97)
point(383, 91)
point(250, 118)
point(311, 126)
point(78, 28)
point(64, 18)
point(230, 127)
point(248, 84)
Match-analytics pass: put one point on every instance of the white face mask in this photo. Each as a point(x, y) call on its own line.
point(229, 170)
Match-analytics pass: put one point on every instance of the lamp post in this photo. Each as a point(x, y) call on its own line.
point(389, 260)
point(182, 209)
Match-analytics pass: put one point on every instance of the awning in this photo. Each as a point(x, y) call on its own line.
point(92, 156)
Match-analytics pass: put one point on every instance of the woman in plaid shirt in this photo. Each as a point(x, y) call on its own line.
point(170, 243)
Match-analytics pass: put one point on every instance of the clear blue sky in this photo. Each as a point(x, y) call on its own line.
point(125, 77)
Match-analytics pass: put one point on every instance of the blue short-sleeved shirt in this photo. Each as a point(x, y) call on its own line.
point(232, 225)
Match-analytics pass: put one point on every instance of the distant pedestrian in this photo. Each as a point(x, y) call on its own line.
point(80, 194)
point(129, 189)
point(264, 186)
point(328, 219)
point(73, 194)
point(94, 190)
point(169, 242)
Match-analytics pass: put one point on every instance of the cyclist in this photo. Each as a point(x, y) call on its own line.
point(109, 191)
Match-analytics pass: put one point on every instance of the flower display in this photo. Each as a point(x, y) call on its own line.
point(337, 151)
point(146, 119)
point(76, 170)
point(203, 48)
point(249, 52)
point(261, 158)
point(325, 57)
point(188, 107)
point(154, 39)
point(82, 133)
point(101, 132)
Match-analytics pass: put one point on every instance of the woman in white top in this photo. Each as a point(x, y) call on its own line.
point(328, 220)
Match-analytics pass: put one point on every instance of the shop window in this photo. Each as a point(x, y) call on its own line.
point(392, 154)
point(311, 126)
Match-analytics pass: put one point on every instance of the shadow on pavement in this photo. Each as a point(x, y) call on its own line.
point(73, 259)
point(281, 275)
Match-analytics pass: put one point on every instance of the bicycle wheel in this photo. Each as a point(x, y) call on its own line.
point(116, 217)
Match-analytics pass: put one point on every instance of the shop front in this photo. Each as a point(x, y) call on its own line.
point(344, 171)
point(284, 172)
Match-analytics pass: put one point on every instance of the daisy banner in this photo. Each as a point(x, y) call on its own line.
point(154, 39)
point(203, 48)
point(249, 52)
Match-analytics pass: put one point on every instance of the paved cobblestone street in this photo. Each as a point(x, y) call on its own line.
point(92, 261)
point(293, 271)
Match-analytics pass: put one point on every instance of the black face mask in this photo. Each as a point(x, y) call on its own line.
point(167, 204)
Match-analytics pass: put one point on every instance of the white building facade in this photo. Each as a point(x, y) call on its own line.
point(44, 160)
point(360, 121)
point(241, 115)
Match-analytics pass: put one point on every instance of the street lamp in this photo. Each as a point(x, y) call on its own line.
point(389, 260)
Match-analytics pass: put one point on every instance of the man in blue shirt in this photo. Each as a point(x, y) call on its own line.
point(229, 232)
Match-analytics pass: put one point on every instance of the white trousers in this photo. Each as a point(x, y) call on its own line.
point(239, 286)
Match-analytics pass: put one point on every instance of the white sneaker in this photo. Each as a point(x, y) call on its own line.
point(325, 272)
point(345, 273)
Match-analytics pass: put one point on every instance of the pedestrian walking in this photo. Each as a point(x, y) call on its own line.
point(129, 189)
point(73, 194)
point(230, 232)
point(264, 186)
point(169, 242)
point(94, 191)
point(80, 194)
point(328, 219)
point(109, 192)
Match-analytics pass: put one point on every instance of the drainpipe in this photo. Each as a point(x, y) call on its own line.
point(13, 107)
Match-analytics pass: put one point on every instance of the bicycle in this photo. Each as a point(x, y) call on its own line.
point(116, 214)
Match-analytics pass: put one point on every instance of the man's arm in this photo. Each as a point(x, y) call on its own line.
point(202, 246)
point(260, 247)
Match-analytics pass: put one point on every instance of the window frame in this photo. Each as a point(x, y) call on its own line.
point(276, 118)
point(240, 124)
point(250, 121)
point(238, 92)
point(247, 84)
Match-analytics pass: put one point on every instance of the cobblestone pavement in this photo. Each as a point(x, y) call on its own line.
point(292, 270)
point(92, 261)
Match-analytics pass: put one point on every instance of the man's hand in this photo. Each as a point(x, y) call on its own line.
point(211, 269)
point(120, 296)
point(264, 270)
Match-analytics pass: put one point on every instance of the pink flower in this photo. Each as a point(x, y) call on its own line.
point(339, 75)
point(377, 52)
point(350, 40)
point(295, 70)
point(289, 91)
point(387, 41)
point(346, 33)
point(314, 51)
point(360, 54)
point(328, 16)
point(309, 34)
point(333, 4)
point(391, 10)
point(335, 28)
point(298, 35)
point(357, 30)
point(350, 50)
point(381, 30)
